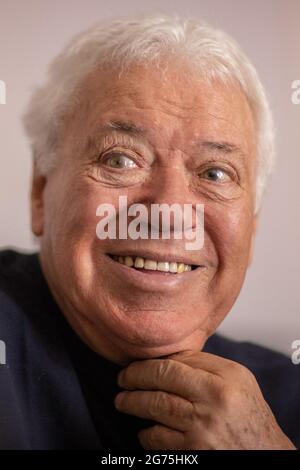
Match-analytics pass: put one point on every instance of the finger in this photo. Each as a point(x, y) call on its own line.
point(167, 375)
point(165, 408)
point(210, 363)
point(160, 437)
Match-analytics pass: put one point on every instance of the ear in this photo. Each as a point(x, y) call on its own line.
point(37, 201)
point(254, 228)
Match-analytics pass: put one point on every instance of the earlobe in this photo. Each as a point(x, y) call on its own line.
point(37, 201)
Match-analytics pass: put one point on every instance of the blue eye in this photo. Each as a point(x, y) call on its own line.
point(216, 174)
point(119, 160)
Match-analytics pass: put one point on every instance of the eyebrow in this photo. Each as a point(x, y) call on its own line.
point(135, 130)
point(127, 127)
point(225, 147)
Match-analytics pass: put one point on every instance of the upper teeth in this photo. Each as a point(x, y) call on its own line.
point(139, 262)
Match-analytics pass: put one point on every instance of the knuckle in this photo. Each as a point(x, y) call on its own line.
point(173, 406)
point(153, 434)
point(149, 437)
point(164, 367)
point(166, 404)
point(225, 394)
point(157, 404)
point(231, 390)
point(231, 367)
point(237, 372)
point(236, 367)
point(221, 393)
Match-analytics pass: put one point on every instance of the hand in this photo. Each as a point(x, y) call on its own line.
point(200, 401)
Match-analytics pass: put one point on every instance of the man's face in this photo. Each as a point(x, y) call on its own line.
point(187, 142)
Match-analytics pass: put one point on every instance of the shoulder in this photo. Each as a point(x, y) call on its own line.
point(250, 354)
point(27, 305)
point(30, 319)
point(19, 272)
point(39, 391)
point(20, 287)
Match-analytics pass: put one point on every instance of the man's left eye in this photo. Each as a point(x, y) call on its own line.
point(216, 174)
point(119, 160)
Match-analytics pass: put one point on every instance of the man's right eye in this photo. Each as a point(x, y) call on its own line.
point(119, 160)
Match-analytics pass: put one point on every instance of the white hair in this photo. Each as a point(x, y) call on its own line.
point(119, 43)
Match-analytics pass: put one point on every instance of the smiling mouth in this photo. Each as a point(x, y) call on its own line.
point(147, 265)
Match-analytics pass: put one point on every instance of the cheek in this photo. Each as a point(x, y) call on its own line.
point(70, 209)
point(230, 230)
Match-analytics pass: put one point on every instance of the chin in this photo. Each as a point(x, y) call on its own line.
point(155, 329)
point(158, 347)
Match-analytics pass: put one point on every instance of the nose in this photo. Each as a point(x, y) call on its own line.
point(170, 185)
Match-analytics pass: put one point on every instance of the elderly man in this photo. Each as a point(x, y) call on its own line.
point(110, 342)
